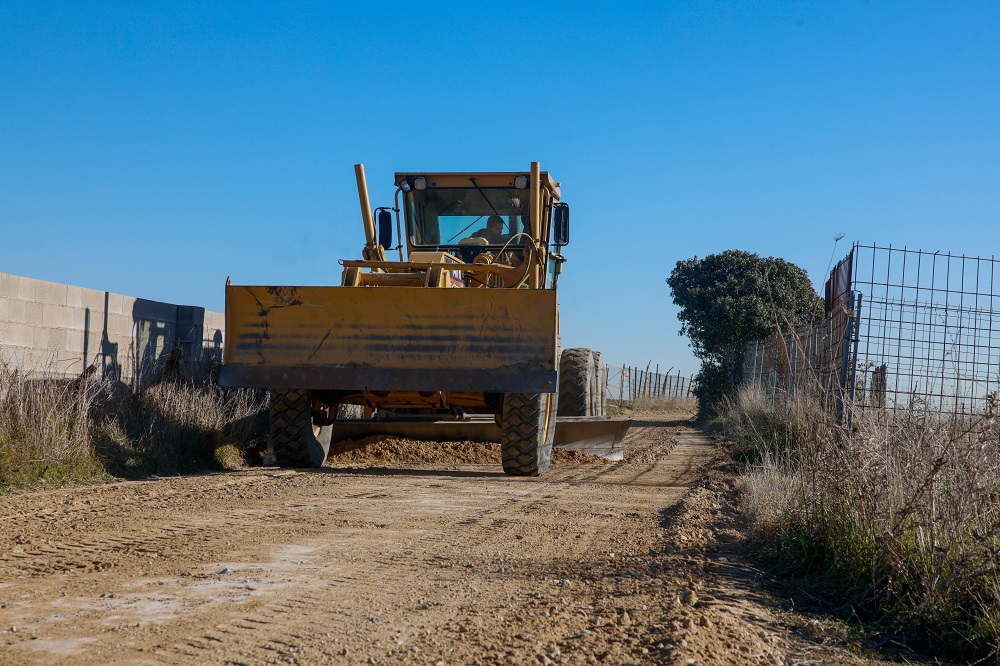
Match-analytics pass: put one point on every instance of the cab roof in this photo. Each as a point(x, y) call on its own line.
point(483, 179)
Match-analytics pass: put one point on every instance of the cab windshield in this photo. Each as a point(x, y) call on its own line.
point(462, 216)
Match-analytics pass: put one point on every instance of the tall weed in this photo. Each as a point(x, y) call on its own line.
point(897, 518)
point(44, 431)
point(54, 431)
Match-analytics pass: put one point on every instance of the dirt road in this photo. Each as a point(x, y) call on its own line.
point(381, 563)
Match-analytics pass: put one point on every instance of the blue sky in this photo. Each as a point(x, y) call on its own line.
point(152, 149)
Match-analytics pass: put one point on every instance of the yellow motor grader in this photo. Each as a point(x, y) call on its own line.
point(459, 340)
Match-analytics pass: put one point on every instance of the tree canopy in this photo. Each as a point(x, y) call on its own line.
point(727, 301)
point(730, 299)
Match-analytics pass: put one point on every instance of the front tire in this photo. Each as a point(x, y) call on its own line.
point(295, 440)
point(529, 426)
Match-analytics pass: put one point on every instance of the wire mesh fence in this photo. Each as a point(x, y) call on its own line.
point(628, 384)
point(904, 329)
point(929, 335)
point(810, 362)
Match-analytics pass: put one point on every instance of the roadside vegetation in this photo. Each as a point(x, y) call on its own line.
point(894, 522)
point(727, 301)
point(56, 431)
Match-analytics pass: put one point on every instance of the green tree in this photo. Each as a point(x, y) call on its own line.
point(727, 301)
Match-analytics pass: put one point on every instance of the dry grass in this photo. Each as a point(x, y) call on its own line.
point(55, 431)
point(900, 517)
point(44, 432)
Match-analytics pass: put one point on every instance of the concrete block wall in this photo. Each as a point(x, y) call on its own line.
point(56, 329)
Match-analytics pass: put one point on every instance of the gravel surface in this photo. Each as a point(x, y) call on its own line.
point(378, 558)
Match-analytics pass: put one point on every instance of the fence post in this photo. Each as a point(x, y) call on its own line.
point(845, 360)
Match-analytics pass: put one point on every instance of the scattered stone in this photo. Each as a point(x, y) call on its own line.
point(704, 622)
point(689, 597)
point(624, 619)
point(225, 571)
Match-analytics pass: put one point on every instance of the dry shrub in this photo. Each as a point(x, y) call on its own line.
point(53, 431)
point(44, 431)
point(899, 516)
point(180, 426)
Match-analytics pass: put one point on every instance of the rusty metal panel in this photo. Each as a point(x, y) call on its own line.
point(398, 338)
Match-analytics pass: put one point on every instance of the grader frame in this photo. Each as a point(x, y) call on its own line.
point(464, 333)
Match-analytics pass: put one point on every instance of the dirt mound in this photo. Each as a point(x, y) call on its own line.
point(380, 449)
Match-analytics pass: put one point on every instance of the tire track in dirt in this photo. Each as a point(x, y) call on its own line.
point(337, 565)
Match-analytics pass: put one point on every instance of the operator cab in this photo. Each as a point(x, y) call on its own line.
point(467, 214)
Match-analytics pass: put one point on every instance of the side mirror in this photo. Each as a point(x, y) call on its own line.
point(560, 225)
point(384, 228)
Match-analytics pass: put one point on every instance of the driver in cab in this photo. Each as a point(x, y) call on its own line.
point(493, 233)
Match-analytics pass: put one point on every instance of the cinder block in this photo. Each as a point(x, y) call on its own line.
point(68, 365)
point(50, 292)
point(74, 342)
point(119, 327)
point(214, 338)
point(39, 337)
point(93, 299)
point(93, 346)
point(40, 361)
point(13, 356)
point(8, 285)
point(57, 316)
point(56, 340)
point(33, 313)
point(17, 310)
point(26, 288)
point(116, 304)
point(18, 334)
point(214, 319)
point(74, 296)
point(77, 319)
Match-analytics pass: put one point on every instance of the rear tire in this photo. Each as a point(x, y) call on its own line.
point(529, 426)
point(296, 442)
point(576, 382)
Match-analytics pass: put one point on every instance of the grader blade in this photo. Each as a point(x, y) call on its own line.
point(598, 437)
point(595, 436)
point(391, 339)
